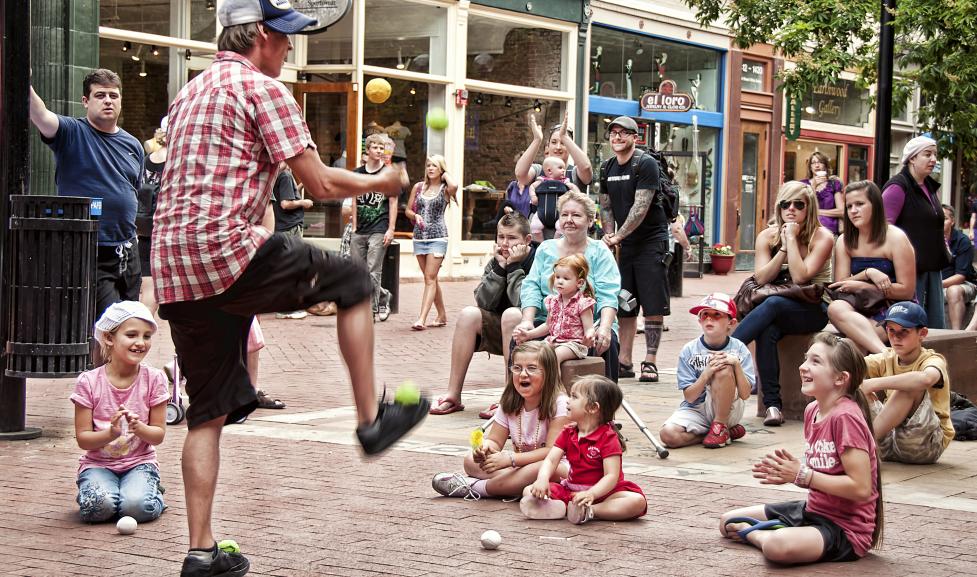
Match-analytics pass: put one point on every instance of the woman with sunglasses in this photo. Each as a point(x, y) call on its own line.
point(794, 248)
point(560, 144)
point(870, 252)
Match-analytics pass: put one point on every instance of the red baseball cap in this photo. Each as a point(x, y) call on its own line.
point(721, 302)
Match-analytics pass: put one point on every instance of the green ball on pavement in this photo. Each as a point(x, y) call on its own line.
point(407, 394)
point(229, 546)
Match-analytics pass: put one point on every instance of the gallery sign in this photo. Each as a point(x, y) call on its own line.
point(666, 99)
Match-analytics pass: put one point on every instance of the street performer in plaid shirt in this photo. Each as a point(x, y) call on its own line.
point(215, 266)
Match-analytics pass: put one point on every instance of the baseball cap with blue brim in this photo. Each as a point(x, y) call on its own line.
point(906, 314)
point(277, 15)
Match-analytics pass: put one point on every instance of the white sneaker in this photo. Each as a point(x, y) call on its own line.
point(454, 485)
point(773, 417)
point(383, 309)
point(579, 514)
point(534, 508)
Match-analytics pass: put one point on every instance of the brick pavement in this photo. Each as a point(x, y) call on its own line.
point(297, 496)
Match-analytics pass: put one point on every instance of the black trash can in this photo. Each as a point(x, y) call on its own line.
point(675, 272)
point(52, 291)
point(390, 276)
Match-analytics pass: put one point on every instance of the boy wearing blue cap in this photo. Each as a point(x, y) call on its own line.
point(908, 388)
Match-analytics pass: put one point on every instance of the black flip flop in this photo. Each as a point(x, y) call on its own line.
point(625, 371)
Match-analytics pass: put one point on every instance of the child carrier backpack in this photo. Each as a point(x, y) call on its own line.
point(668, 191)
point(547, 193)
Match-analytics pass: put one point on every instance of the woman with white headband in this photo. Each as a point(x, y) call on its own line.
point(912, 204)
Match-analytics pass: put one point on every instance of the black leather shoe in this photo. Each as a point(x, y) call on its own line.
point(393, 422)
point(220, 564)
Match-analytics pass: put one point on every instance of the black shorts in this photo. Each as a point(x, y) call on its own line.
point(644, 275)
point(794, 514)
point(117, 276)
point(145, 245)
point(211, 335)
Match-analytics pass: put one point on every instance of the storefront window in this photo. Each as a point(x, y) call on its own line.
point(797, 153)
point(143, 81)
point(334, 45)
point(406, 36)
point(625, 65)
point(508, 53)
point(496, 134)
point(403, 116)
point(203, 20)
point(136, 15)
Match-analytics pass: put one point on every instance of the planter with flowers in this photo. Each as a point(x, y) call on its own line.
point(721, 257)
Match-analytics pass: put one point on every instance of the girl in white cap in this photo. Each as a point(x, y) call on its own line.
point(912, 203)
point(120, 416)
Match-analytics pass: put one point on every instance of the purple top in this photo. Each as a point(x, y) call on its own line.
point(826, 201)
point(894, 197)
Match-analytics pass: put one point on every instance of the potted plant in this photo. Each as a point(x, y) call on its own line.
point(721, 257)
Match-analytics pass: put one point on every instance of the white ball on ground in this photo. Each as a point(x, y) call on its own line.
point(491, 539)
point(126, 525)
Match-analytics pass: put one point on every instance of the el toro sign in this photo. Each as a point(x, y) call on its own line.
point(666, 99)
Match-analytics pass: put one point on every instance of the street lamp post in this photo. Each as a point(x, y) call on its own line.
point(883, 101)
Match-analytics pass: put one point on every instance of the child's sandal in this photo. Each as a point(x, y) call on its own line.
point(649, 372)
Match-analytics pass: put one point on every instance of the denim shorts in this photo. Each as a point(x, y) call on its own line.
point(437, 248)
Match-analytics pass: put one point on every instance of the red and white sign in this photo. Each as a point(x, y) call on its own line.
point(666, 99)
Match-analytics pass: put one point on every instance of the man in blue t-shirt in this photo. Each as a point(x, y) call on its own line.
point(97, 159)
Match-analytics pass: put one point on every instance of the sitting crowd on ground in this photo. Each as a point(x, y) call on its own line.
point(880, 395)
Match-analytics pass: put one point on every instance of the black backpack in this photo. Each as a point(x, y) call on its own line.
point(668, 192)
point(548, 192)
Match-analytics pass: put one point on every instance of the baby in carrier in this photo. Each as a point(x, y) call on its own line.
point(544, 193)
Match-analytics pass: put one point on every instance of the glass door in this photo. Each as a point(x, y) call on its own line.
point(330, 112)
point(751, 215)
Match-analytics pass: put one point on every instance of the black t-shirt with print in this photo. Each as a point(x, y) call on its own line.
point(621, 187)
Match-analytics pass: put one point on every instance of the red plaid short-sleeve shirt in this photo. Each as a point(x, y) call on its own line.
point(229, 128)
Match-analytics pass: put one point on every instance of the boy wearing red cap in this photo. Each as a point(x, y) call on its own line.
point(715, 374)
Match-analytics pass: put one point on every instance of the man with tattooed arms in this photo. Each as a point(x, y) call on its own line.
point(633, 211)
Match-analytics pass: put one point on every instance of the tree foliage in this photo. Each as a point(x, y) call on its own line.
point(936, 50)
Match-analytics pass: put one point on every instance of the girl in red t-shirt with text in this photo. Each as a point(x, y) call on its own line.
point(595, 488)
point(842, 516)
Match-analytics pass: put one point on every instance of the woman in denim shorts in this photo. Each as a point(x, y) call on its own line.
point(428, 201)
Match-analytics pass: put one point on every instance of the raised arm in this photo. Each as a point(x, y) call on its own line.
point(581, 163)
point(767, 266)
point(450, 187)
point(803, 269)
point(525, 161)
point(45, 120)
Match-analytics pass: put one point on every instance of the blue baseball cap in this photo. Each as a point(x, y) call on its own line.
point(905, 314)
point(277, 15)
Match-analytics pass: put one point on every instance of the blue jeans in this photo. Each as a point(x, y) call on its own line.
point(929, 294)
point(767, 324)
point(104, 494)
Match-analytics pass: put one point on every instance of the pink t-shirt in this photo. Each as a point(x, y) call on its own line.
point(826, 440)
point(564, 320)
point(94, 391)
point(522, 432)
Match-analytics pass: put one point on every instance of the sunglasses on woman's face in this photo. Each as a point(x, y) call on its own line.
point(798, 204)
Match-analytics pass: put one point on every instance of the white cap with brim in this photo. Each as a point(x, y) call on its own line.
point(277, 15)
point(119, 313)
